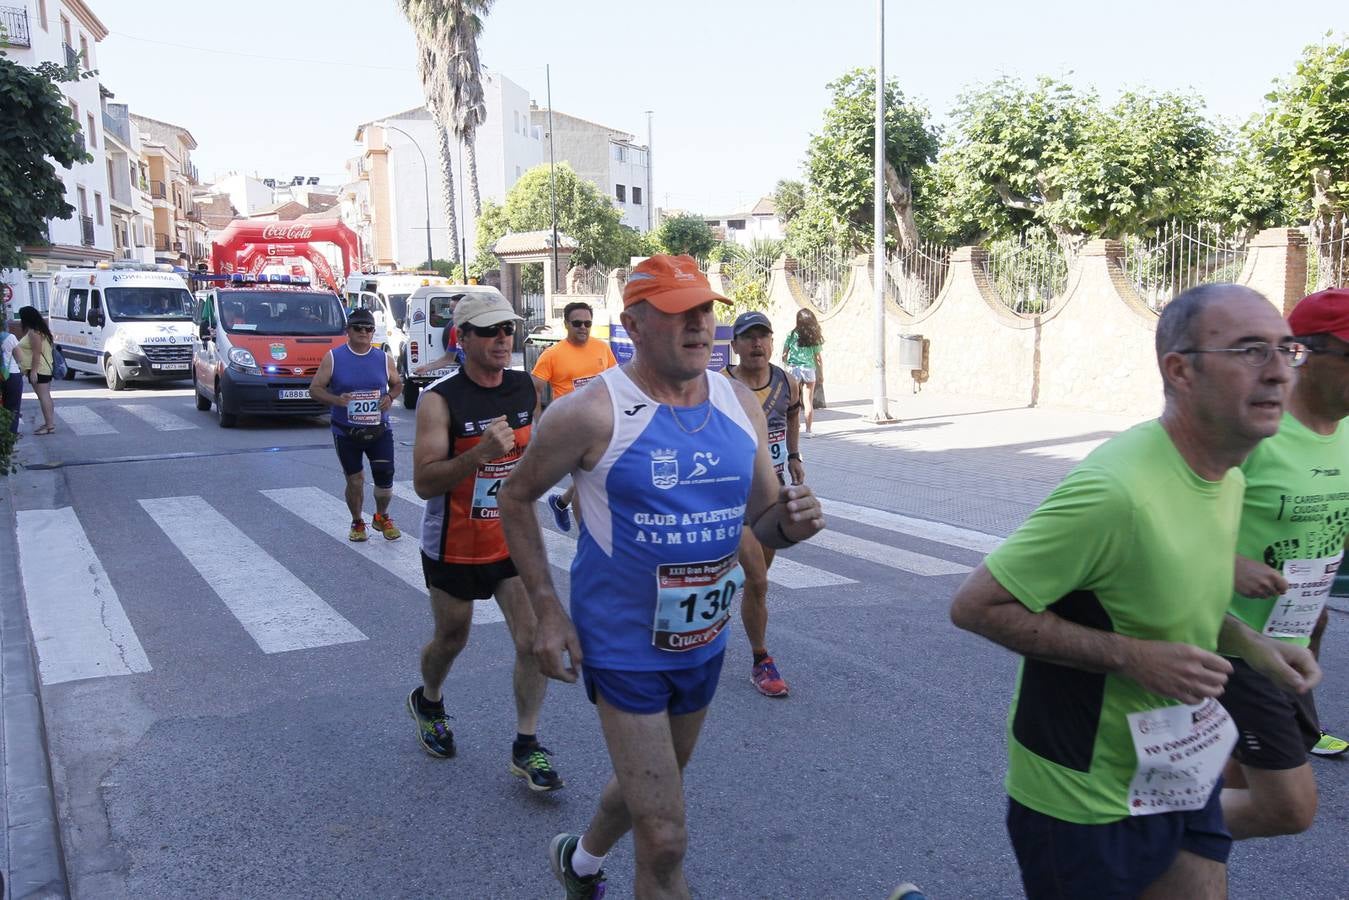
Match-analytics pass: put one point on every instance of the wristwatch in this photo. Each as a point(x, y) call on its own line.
point(796, 456)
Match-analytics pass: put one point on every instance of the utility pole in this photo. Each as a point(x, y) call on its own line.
point(650, 179)
point(426, 184)
point(880, 407)
point(552, 175)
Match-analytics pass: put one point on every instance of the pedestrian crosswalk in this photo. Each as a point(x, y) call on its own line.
point(82, 630)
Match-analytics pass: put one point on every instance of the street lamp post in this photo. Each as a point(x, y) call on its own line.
point(426, 178)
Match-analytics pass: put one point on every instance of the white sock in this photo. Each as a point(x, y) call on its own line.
point(582, 863)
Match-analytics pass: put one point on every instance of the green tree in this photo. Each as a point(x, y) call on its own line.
point(1243, 191)
point(684, 234)
point(789, 197)
point(1052, 156)
point(840, 161)
point(583, 213)
point(36, 127)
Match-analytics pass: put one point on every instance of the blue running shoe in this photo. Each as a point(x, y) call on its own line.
point(907, 891)
point(560, 851)
point(561, 515)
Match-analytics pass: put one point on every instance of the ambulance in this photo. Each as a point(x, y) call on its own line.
point(259, 343)
point(386, 295)
point(124, 322)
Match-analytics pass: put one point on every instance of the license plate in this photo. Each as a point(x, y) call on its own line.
point(295, 394)
point(171, 367)
point(441, 373)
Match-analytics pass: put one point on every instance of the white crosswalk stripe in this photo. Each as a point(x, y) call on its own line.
point(885, 554)
point(923, 528)
point(277, 609)
point(401, 557)
point(1074, 451)
point(79, 626)
point(562, 548)
point(158, 419)
point(83, 420)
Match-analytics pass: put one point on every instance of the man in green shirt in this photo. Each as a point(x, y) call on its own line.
point(1294, 522)
point(1114, 591)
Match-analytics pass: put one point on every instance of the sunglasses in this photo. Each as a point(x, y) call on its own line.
point(581, 323)
point(367, 329)
point(491, 331)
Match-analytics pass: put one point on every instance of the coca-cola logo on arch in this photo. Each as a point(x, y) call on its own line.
point(288, 232)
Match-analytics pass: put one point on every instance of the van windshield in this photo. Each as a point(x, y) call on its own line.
point(281, 313)
point(398, 305)
point(149, 304)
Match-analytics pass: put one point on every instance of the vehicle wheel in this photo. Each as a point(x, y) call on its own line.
point(226, 420)
point(203, 403)
point(410, 392)
point(113, 377)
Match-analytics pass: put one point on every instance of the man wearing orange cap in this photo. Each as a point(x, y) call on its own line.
point(1294, 522)
point(669, 466)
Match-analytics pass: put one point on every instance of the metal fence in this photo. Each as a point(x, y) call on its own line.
point(823, 276)
point(1179, 255)
point(914, 278)
point(1328, 252)
point(1028, 271)
point(594, 280)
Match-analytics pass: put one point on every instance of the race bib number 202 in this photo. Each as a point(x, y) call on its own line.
point(693, 602)
point(363, 408)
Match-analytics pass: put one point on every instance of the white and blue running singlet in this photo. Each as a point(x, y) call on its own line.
point(656, 566)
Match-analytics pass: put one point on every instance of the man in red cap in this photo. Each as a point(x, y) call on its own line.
point(1295, 518)
point(669, 466)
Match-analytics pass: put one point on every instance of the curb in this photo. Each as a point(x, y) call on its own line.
point(32, 832)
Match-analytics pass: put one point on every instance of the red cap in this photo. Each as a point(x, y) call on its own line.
point(672, 284)
point(1325, 312)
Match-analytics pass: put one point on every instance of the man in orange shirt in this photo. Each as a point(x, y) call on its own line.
point(566, 366)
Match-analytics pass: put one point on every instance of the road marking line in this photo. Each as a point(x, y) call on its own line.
point(79, 626)
point(160, 420)
point(277, 609)
point(562, 548)
point(83, 420)
point(923, 528)
point(402, 558)
point(885, 554)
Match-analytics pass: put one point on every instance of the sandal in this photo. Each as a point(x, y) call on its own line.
point(46, 429)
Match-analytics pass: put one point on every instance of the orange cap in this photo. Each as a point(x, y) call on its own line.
point(672, 284)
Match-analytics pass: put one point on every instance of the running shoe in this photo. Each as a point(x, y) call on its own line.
point(358, 532)
point(1329, 745)
point(533, 766)
point(591, 887)
point(385, 526)
point(767, 680)
point(907, 891)
point(433, 731)
point(561, 515)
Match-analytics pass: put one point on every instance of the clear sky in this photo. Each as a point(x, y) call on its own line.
point(736, 86)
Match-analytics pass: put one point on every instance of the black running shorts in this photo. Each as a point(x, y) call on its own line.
point(1275, 728)
point(467, 581)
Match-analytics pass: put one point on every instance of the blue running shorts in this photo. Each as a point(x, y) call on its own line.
point(1062, 860)
point(676, 691)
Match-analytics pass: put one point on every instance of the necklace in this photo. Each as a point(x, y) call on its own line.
point(701, 426)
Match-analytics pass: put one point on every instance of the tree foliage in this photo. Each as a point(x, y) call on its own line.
point(1052, 156)
point(684, 234)
point(789, 196)
point(1304, 135)
point(36, 127)
point(583, 213)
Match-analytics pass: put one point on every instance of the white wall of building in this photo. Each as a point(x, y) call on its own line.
point(628, 169)
point(247, 194)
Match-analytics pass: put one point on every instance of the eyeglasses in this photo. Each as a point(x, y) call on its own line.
point(367, 329)
point(1326, 351)
point(580, 323)
point(491, 331)
point(1259, 353)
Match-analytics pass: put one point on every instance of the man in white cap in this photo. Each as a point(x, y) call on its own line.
point(472, 428)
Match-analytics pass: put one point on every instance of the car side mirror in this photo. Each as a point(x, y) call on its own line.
point(204, 332)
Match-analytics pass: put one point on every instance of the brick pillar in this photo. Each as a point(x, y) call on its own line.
point(1276, 266)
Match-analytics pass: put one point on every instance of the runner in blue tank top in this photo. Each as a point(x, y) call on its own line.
point(670, 465)
point(359, 382)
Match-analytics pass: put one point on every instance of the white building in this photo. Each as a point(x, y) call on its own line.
point(246, 193)
point(65, 32)
point(604, 156)
point(397, 183)
point(744, 228)
point(129, 203)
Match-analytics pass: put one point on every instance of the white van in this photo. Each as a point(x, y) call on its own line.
point(430, 327)
point(123, 321)
point(386, 294)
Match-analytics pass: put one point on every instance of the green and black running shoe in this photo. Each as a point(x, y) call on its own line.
point(560, 851)
point(433, 730)
point(533, 766)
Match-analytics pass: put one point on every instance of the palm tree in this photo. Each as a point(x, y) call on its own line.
point(469, 108)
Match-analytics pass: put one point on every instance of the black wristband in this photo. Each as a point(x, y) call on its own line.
point(782, 534)
point(795, 456)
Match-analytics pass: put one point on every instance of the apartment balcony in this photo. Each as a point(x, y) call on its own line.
point(14, 27)
point(87, 230)
point(159, 190)
point(162, 242)
point(72, 57)
point(118, 128)
point(192, 214)
point(177, 246)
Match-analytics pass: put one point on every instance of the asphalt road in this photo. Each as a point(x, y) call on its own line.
point(242, 733)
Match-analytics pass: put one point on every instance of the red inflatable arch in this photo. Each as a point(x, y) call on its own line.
point(247, 245)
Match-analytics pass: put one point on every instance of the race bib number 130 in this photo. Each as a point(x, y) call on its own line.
point(693, 602)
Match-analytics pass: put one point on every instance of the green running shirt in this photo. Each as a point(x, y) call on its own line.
point(1133, 542)
point(1295, 519)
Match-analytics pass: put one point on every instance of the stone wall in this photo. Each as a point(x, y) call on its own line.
point(1093, 349)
